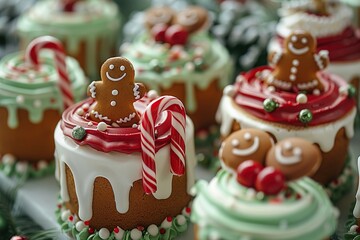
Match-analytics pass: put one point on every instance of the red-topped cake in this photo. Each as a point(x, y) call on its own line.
point(125, 161)
point(296, 98)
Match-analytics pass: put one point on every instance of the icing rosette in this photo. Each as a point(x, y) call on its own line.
point(35, 89)
point(227, 210)
point(251, 93)
point(194, 64)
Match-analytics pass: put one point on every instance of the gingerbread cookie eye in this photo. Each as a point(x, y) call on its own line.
point(122, 68)
point(295, 157)
point(111, 66)
point(159, 15)
point(304, 40)
point(192, 19)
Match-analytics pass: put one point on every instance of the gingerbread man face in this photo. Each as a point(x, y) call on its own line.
point(159, 15)
point(300, 43)
point(245, 144)
point(192, 18)
point(117, 69)
point(295, 158)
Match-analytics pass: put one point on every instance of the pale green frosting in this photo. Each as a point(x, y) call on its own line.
point(93, 21)
point(214, 57)
point(352, 2)
point(226, 210)
point(35, 90)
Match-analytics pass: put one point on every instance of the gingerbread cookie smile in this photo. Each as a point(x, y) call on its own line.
point(246, 151)
point(111, 67)
point(289, 159)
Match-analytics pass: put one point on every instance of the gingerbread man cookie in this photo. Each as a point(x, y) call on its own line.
point(295, 69)
point(245, 144)
point(295, 158)
point(192, 19)
point(116, 93)
point(159, 15)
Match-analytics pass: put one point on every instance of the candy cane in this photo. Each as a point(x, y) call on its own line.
point(152, 115)
point(32, 57)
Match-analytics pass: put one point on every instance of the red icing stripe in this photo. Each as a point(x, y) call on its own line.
point(327, 107)
point(125, 140)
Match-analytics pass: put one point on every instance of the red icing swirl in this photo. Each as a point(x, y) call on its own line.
point(125, 140)
point(327, 107)
point(342, 47)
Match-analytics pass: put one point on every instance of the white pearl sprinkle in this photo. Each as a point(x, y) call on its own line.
point(101, 126)
point(271, 89)
point(293, 70)
point(120, 234)
point(104, 233)
point(152, 94)
point(80, 112)
point(247, 136)
point(85, 106)
point(21, 167)
point(181, 219)
point(8, 159)
point(295, 62)
point(153, 230)
point(20, 99)
point(343, 90)
point(42, 164)
point(114, 92)
point(113, 103)
point(37, 103)
point(229, 90)
point(316, 92)
point(189, 66)
point(134, 125)
point(301, 98)
point(135, 234)
point(292, 77)
point(353, 228)
point(80, 225)
point(90, 124)
point(166, 223)
point(65, 215)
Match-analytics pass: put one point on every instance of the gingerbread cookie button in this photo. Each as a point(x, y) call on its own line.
point(192, 18)
point(245, 144)
point(116, 93)
point(295, 158)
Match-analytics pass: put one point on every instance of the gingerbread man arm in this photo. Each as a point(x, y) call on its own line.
point(274, 58)
point(139, 90)
point(322, 59)
point(93, 88)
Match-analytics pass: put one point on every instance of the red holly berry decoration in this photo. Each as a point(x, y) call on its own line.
point(270, 181)
point(69, 5)
point(19, 238)
point(247, 172)
point(158, 32)
point(176, 35)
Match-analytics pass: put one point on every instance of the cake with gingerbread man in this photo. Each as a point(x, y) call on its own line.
point(125, 161)
point(295, 97)
point(176, 56)
point(267, 197)
point(88, 29)
point(331, 23)
point(35, 87)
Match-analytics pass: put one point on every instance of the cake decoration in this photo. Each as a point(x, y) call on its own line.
point(295, 69)
point(116, 93)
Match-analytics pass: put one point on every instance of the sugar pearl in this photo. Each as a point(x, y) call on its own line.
point(8, 159)
point(65, 215)
point(181, 219)
point(21, 167)
point(80, 225)
point(353, 228)
point(301, 98)
point(153, 230)
point(119, 235)
point(80, 112)
point(104, 233)
point(229, 91)
point(42, 164)
point(20, 99)
point(135, 234)
point(343, 90)
point(166, 223)
point(37, 103)
point(102, 126)
point(152, 94)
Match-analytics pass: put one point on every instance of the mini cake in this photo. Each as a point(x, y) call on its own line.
point(331, 23)
point(257, 202)
point(35, 87)
point(295, 97)
point(125, 164)
point(177, 57)
point(88, 29)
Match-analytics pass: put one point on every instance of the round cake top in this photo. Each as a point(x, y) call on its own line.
point(333, 29)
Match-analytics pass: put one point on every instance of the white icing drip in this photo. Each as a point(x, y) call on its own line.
point(126, 119)
point(247, 151)
point(228, 113)
point(136, 91)
point(92, 89)
point(289, 160)
point(120, 169)
point(356, 210)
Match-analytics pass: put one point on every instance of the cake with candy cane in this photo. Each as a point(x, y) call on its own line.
point(125, 161)
point(294, 96)
point(89, 29)
point(331, 23)
point(177, 57)
point(265, 196)
point(35, 87)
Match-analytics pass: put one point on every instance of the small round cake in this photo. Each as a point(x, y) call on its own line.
point(88, 29)
point(296, 98)
point(275, 201)
point(124, 176)
point(331, 24)
point(31, 103)
point(177, 57)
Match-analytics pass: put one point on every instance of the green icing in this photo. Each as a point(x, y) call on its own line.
point(216, 63)
point(98, 21)
point(35, 90)
point(227, 210)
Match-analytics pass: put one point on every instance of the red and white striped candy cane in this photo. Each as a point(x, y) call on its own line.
point(32, 57)
point(152, 115)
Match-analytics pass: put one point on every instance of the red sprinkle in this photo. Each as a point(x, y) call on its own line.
point(116, 230)
point(162, 231)
point(169, 219)
point(87, 223)
point(140, 228)
point(188, 210)
point(357, 229)
point(71, 218)
point(91, 230)
point(59, 206)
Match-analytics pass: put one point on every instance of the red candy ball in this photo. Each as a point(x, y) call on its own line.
point(176, 35)
point(270, 181)
point(19, 238)
point(158, 32)
point(247, 172)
